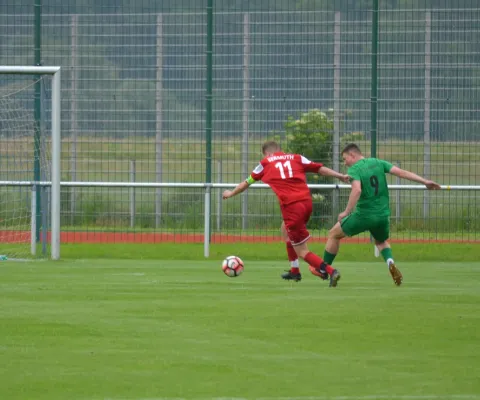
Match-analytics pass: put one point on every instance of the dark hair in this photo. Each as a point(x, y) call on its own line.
point(270, 146)
point(351, 147)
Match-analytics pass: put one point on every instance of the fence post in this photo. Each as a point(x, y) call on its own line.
point(33, 221)
point(397, 198)
point(206, 233)
point(45, 200)
point(73, 117)
point(336, 107)
point(45, 191)
point(374, 82)
point(132, 194)
point(159, 120)
point(246, 99)
point(426, 121)
point(208, 113)
point(37, 108)
point(219, 196)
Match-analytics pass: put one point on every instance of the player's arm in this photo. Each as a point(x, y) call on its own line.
point(256, 175)
point(354, 197)
point(241, 187)
point(323, 170)
point(401, 173)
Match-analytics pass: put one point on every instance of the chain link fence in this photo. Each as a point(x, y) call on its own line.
point(133, 106)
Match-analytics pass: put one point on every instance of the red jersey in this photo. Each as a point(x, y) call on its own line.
point(285, 174)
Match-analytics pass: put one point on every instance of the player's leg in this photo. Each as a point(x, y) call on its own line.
point(333, 243)
point(351, 225)
point(331, 249)
point(386, 252)
point(317, 265)
point(296, 216)
point(381, 232)
point(294, 272)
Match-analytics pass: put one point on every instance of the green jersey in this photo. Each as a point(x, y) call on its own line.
point(374, 199)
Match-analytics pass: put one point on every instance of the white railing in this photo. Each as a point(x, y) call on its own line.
point(208, 195)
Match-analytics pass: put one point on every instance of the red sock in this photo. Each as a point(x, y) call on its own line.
point(315, 261)
point(329, 269)
point(292, 255)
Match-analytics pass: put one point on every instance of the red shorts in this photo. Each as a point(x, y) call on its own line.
point(296, 215)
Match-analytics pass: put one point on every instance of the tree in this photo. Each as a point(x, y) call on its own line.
point(311, 136)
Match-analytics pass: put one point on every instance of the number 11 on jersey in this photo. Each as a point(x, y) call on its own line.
point(288, 166)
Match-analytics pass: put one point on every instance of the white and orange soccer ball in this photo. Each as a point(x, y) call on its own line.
point(232, 266)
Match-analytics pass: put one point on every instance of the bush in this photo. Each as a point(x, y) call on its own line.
point(311, 136)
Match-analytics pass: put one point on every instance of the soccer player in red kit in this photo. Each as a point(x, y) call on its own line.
point(285, 174)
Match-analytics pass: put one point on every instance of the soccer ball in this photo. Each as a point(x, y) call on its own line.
point(232, 266)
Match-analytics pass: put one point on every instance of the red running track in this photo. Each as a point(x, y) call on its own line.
point(216, 238)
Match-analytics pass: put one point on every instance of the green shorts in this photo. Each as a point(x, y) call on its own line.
point(379, 227)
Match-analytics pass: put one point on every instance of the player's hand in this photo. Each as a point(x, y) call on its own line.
point(431, 185)
point(345, 178)
point(227, 194)
point(342, 215)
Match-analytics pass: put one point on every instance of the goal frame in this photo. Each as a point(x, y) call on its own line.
point(54, 71)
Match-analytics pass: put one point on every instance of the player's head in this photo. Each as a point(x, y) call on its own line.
point(351, 154)
point(270, 147)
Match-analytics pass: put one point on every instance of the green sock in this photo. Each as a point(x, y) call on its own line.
point(387, 253)
point(328, 257)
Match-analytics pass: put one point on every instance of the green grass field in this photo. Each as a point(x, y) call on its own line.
point(184, 160)
point(126, 329)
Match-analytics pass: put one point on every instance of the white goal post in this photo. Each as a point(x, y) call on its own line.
point(54, 183)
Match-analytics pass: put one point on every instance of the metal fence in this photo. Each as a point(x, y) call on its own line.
point(133, 108)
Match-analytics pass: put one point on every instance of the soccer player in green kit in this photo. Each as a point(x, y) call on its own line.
point(368, 207)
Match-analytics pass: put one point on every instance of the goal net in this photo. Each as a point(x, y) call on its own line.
point(29, 162)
